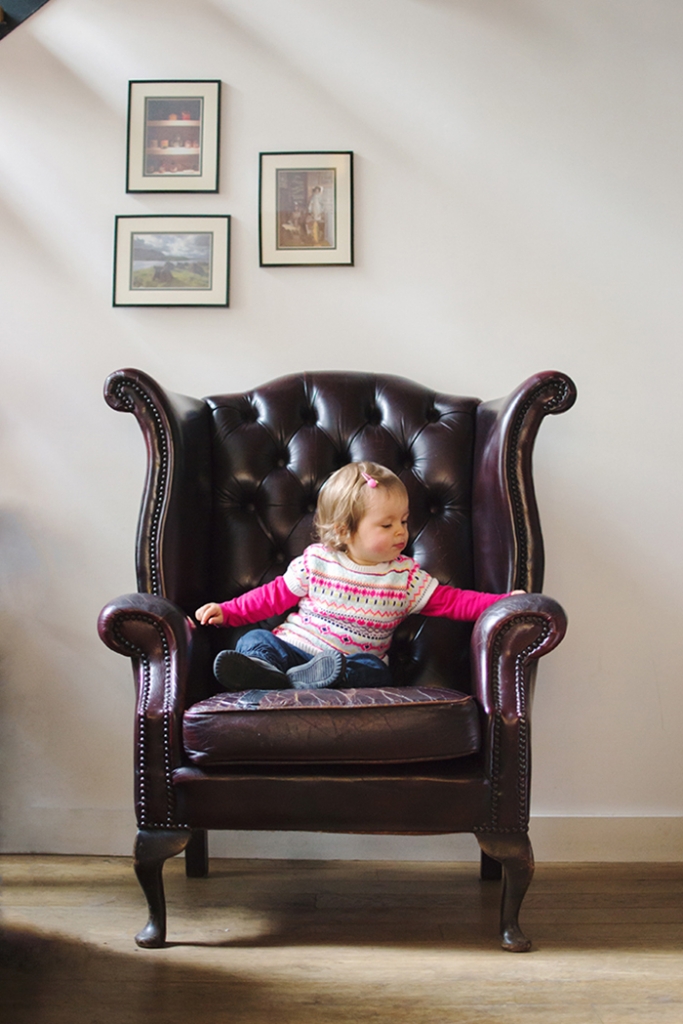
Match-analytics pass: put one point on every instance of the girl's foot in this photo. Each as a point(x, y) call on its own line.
point(235, 672)
point(324, 669)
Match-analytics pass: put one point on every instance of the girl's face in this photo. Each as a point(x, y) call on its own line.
point(382, 533)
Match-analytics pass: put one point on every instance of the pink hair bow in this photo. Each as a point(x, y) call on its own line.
point(370, 480)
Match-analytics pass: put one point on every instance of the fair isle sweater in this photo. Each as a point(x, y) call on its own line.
point(352, 608)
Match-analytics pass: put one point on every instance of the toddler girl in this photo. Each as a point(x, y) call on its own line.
point(349, 593)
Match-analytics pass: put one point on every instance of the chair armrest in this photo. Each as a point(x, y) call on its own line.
point(157, 636)
point(507, 638)
point(172, 550)
point(508, 544)
point(507, 641)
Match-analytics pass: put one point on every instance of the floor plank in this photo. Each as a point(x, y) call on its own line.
point(294, 942)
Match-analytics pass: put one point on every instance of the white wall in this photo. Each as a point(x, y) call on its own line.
point(518, 208)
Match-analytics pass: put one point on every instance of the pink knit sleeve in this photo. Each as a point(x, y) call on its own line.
point(260, 603)
point(464, 605)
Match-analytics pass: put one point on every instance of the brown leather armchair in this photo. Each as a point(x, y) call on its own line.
point(229, 499)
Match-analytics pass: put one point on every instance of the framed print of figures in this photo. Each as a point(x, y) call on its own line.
point(306, 209)
point(173, 134)
point(172, 261)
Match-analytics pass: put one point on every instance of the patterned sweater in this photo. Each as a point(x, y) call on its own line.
point(352, 608)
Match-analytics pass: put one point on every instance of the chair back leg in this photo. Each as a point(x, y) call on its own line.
point(490, 870)
point(197, 854)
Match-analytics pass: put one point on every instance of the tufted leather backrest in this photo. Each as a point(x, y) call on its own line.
point(232, 482)
point(274, 447)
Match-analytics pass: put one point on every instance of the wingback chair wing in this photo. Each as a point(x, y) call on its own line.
point(228, 501)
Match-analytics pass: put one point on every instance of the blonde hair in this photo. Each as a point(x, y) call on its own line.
point(343, 500)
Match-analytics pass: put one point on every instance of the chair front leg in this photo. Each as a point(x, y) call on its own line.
point(152, 848)
point(514, 852)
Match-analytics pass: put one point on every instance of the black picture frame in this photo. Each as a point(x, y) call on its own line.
point(171, 261)
point(306, 209)
point(173, 139)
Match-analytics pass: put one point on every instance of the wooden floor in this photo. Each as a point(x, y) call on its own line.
point(295, 942)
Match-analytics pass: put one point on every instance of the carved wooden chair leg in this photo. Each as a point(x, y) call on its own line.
point(490, 870)
point(152, 848)
point(197, 854)
point(515, 854)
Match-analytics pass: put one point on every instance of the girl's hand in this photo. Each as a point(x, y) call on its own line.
point(517, 592)
point(210, 614)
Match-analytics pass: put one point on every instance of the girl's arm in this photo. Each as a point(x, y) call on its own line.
point(464, 605)
point(260, 603)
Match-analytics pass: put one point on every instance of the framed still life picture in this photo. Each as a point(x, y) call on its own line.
point(306, 209)
point(172, 261)
point(173, 136)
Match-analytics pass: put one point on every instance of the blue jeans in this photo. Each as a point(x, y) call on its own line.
point(361, 669)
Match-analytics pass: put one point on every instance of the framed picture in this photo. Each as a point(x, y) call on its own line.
point(306, 209)
point(171, 261)
point(173, 132)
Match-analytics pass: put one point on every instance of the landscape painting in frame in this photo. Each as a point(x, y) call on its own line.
point(306, 215)
point(173, 136)
point(171, 261)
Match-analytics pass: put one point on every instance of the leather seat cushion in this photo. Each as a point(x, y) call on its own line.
point(363, 726)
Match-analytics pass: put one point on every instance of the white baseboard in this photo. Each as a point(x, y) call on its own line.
point(607, 839)
point(553, 839)
point(110, 833)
